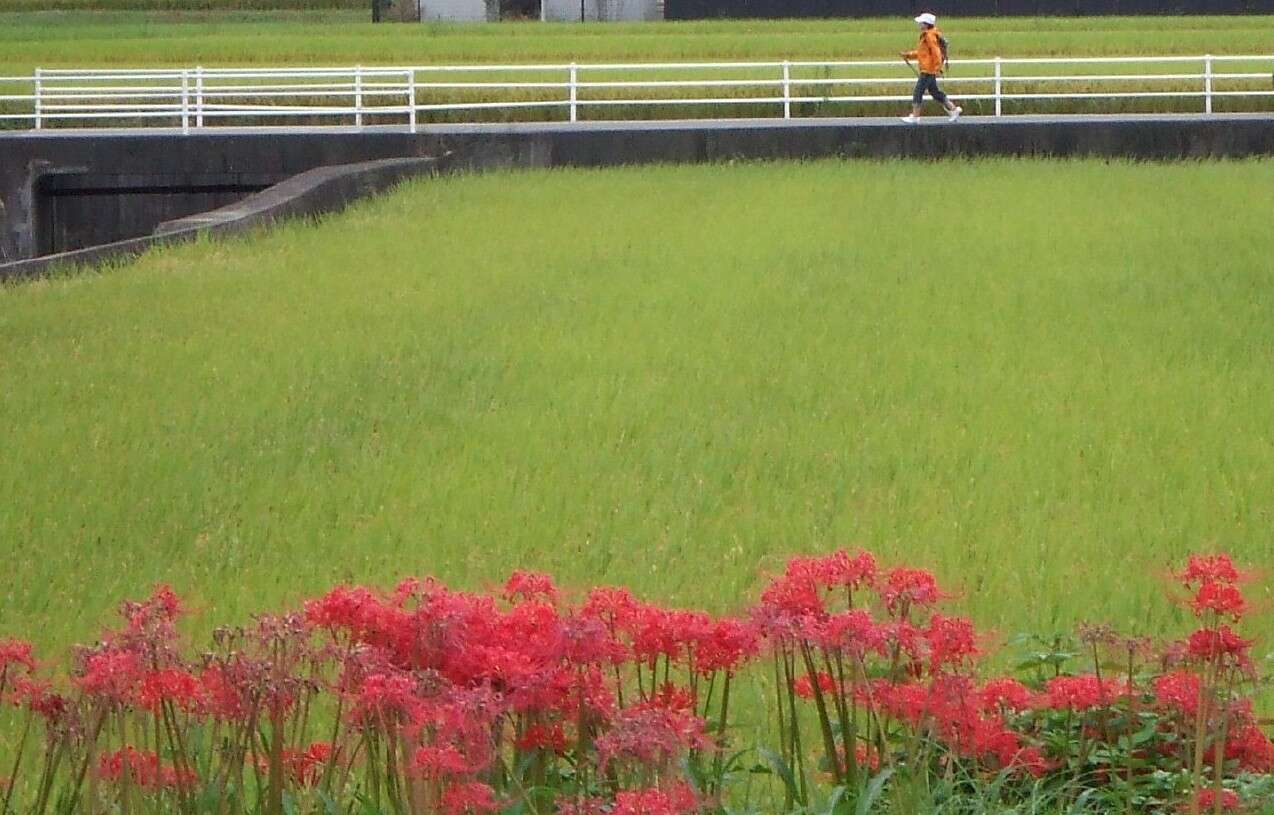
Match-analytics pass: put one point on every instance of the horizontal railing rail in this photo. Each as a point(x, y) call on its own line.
point(199, 98)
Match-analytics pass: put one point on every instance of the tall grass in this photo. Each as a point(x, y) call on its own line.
point(1043, 378)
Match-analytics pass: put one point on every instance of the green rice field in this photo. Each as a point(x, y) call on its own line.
point(1047, 380)
point(139, 39)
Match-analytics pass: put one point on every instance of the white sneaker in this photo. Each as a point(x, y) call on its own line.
point(954, 113)
point(909, 119)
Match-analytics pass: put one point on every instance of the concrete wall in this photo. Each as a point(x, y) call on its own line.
point(311, 193)
point(903, 9)
point(74, 209)
point(27, 159)
point(94, 187)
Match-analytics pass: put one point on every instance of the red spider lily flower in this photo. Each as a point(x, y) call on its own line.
point(614, 606)
point(853, 632)
point(441, 762)
point(469, 798)
point(151, 623)
point(651, 736)
point(587, 805)
point(39, 698)
point(224, 694)
point(836, 570)
point(144, 770)
point(792, 596)
point(456, 726)
point(547, 737)
point(951, 642)
point(589, 641)
point(1080, 692)
point(671, 697)
point(856, 571)
point(908, 701)
point(904, 589)
point(306, 767)
point(385, 700)
point(1219, 598)
point(804, 686)
point(162, 604)
point(178, 687)
point(676, 799)
point(1202, 569)
point(988, 738)
point(905, 639)
point(111, 675)
point(1205, 801)
point(726, 645)
point(15, 654)
point(344, 607)
point(1005, 694)
point(1218, 643)
point(1032, 761)
point(799, 592)
point(1178, 690)
point(673, 634)
point(530, 586)
point(1250, 748)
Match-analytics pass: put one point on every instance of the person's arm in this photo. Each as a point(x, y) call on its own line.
point(909, 54)
point(929, 42)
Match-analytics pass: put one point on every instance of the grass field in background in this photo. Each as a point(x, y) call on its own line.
point(363, 7)
point(345, 38)
point(1046, 380)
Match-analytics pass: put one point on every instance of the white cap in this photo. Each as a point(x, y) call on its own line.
point(927, 19)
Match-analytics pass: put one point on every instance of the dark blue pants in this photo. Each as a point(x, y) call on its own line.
point(928, 82)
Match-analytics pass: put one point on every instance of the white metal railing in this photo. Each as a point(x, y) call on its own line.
point(198, 98)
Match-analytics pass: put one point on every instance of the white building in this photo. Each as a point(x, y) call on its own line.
point(562, 11)
point(610, 11)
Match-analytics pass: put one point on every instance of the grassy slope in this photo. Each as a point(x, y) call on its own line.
point(1046, 380)
point(131, 39)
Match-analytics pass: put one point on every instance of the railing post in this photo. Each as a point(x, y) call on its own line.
point(411, 98)
point(1207, 83)
point(574, 92)
point(999, 88)
point(787, 89)
point(185, 102)
point(358, 95)
point(39, 92)
point(199, 96)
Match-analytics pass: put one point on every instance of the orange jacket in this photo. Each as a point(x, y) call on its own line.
point(928, 52)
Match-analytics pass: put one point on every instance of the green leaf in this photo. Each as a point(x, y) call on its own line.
point(1081, 803)
point(329, 803)
point(874, 787)
point(782, 770)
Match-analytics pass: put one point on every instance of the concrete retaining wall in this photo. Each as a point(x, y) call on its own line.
point(314, 192)
point(772, 9)
point(27, 160)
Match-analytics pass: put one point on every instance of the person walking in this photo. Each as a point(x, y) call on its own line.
point(930, 53)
